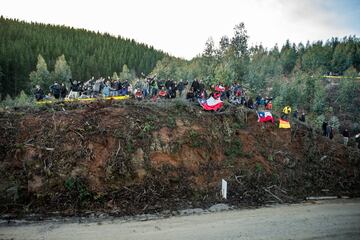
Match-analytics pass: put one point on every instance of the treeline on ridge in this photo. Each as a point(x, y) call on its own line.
point(87, 53)
point(294, 74)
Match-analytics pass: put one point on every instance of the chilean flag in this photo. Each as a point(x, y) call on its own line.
point(265, 117)
point(211, 104)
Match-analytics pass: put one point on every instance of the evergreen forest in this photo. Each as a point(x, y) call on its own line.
point(24, 46)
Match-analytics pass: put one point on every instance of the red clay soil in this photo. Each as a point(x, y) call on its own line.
point(135, 158)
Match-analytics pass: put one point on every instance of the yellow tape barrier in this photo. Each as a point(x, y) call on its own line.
point(84, 99)
point(340, 77)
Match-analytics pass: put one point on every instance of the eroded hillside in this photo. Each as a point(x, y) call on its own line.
point(140, 157)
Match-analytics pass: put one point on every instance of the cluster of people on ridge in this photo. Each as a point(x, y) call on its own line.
point(91, 88)
point(153, 88)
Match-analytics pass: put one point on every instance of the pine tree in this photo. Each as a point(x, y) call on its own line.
point(125, 74)
point(62, 71)
point(41, 76)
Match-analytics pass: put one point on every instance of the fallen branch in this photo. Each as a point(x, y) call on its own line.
point(268, 191)
point(82, 137)
point(321, 198)
point(117, 152)
point(39, 147)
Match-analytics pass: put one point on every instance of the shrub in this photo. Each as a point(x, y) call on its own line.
point(22, 100)
point(234, 149)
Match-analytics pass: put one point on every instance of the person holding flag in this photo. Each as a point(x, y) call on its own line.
point(265, 116)
point(284, 119)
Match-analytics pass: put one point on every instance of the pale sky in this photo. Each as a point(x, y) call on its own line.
point(181, 27)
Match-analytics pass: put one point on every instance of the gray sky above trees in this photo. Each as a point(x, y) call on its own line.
point(181, 27)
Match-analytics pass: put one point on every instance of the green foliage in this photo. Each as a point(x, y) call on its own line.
point(349, 90)
point(115, 76)
point(258, 167)
point(317, 58)
point(171, 123)
point(147, 129)
point(334, 122)
point(77, 187)
point(278, 103)
point(195, 139)
point(224, 73)
point(126, 74)
point(345, 55)
point(318, 105)
point(130, 148)
point(288, 58)
point(319, 121)
point(62, 71)
point(41, 76)
point(23, 100)
point(233, 149)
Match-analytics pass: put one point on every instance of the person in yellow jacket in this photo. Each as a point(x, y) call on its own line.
point(285, 113)
point(287, 110)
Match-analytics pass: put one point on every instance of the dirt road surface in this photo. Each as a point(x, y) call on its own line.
point(336, 219)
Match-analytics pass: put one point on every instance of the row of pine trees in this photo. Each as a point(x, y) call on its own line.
point(83, 54)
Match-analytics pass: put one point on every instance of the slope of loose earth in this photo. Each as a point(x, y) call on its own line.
point(143, 157)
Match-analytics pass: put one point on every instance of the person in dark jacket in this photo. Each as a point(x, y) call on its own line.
point(39, 93)
point(295, 114)
point(357, 139)
point(302, 117)
point(63, 91)
point(168, 84)
point(329, 133)
point(346, 136)
point(172, 89)
point(250, 103)
point(55, 90)
point(323, 127)
point(180, 87)
point(195, 86)
point(75, 85)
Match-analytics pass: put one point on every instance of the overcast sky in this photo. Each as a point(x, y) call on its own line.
point(181, 27)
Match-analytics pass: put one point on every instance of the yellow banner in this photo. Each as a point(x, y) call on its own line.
point(284, 124)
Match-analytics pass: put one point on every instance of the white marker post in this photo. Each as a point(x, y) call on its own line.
point(223, 188)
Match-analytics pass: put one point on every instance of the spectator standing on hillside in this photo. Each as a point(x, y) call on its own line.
point(63, 91)
point(107, 88)
point(328, 130)
point(180, 87)
point(250, 103)
point(357, 139)
point(75, 89)
point(295, 114)
point(346, 136)
point(145, 88)
point(331, 133)
point(324, 126)
point(55, 90)
point(302, 117)
point(39, 93)
point(195, 85)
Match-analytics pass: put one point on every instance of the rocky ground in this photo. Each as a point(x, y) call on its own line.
point(133, 157)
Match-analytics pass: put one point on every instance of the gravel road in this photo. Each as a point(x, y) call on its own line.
point(336, 219)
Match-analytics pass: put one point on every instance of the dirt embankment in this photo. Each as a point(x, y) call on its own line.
point(132, 158)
